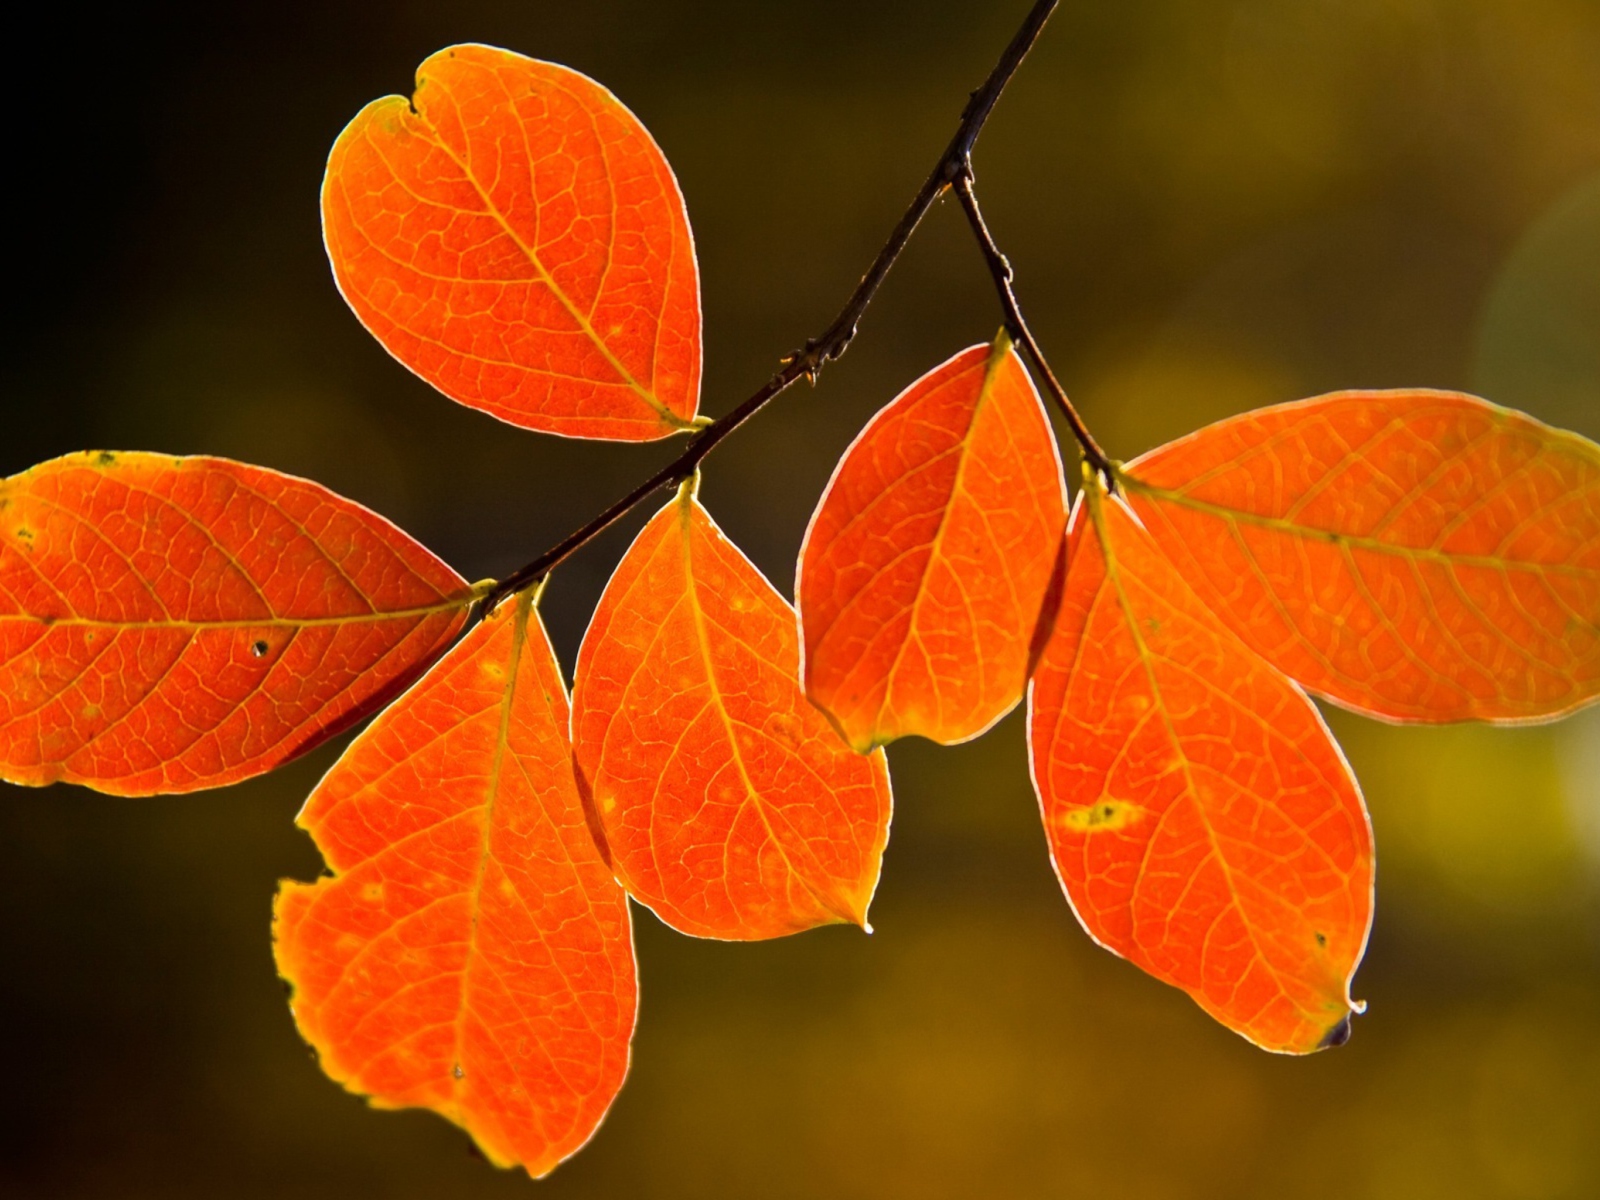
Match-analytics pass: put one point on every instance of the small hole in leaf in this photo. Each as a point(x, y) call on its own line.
point(260, 649)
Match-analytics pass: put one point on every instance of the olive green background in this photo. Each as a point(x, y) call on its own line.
point(1210, 206)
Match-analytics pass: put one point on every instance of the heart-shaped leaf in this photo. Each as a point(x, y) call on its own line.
point(514, 236)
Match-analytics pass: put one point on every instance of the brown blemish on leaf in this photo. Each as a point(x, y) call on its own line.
point(1103, 816)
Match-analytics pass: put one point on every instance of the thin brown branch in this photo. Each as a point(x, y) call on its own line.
point(808, 362)
point(1017, 327)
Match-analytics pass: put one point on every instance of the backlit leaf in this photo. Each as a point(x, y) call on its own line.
point(925, 565)
point(731, 806)
point(471, 953)
point(1416, 555)
point(169, 624)
point(1202, 821)
point(514, 236)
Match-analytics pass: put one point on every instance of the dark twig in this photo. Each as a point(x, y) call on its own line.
point(1017, 327)
point(808, 362)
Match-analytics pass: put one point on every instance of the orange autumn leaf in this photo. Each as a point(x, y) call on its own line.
point(730, 805)
point(1415, 555)
point(514, 236)
point(1201, 819)
point(471, 953)
point(170, 624)
point(926, 563)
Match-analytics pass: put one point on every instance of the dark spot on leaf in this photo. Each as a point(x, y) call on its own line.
point(1102, 816)
point(1322, 938)
point(1337, 1036)
point(783, 728)
point(105, 459)
point(458, 1072)
point(260, 649)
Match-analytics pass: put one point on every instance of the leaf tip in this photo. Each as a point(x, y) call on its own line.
point(1340, 1033)
point(852, 906)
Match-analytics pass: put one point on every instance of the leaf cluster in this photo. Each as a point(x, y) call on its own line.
point(513, 235)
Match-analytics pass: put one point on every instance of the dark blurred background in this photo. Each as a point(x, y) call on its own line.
point(1211, 205)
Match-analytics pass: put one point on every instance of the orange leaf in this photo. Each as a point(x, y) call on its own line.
point(1201, 819)
point(926, 563)
point(472, 953)
point(1415, 555)
point(169, 624)
point(731, 806)
point(515, 237)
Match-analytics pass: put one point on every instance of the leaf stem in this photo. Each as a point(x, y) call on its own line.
point(1017, 327)
point(953, 165)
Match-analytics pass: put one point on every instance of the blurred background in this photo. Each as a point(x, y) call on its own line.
point(1211, 205)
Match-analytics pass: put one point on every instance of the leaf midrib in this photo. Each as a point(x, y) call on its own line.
point(269, 622)
point(1354, 540)
point(752, 794)
point(662, 410)
point(1145, 659)
point(991, 370)
point(519, 635)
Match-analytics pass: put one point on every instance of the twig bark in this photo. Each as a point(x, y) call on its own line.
point(807, 363)
point(1017, 327)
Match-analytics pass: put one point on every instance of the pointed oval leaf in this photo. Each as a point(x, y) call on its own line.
point(514, 236)
point(1414, 555)
point(471, 953)
point(1202, 821)
point(925, 565)
point(170, 624)
point(731, 806)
